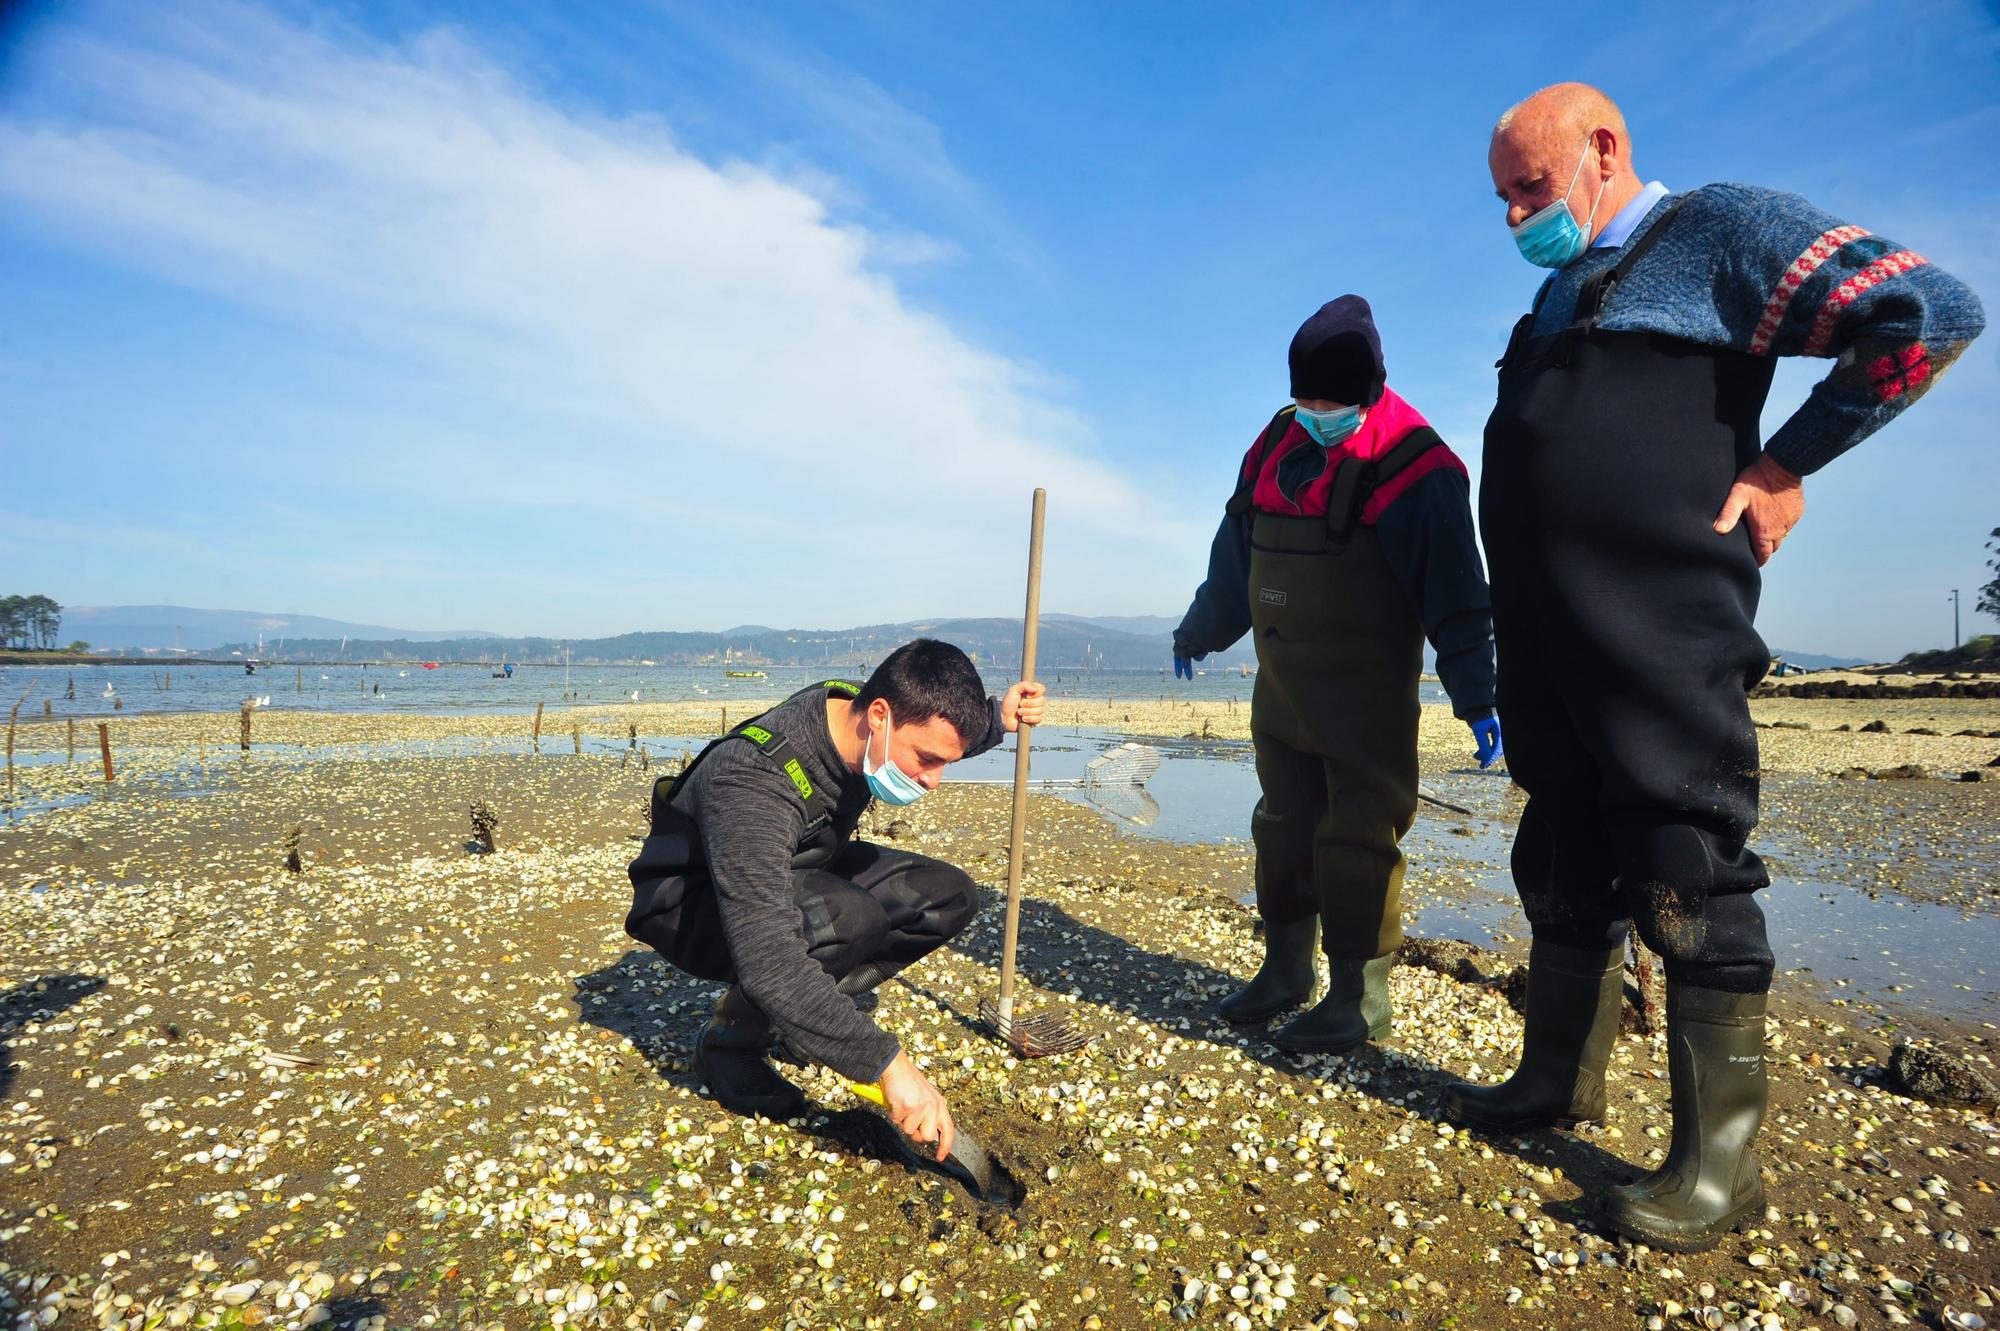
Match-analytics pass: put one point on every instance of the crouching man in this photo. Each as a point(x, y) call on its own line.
point(752, 875)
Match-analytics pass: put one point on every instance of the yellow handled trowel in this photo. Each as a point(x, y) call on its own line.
point(967, 1159)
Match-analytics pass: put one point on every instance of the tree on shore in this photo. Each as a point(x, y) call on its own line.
point(29, 622)
point(1989, 595)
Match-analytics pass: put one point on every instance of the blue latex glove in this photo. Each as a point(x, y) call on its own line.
point(1486, 740)
point(1183, 667)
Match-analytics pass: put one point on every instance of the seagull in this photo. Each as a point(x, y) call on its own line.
point(264, 701)
point(635, 695)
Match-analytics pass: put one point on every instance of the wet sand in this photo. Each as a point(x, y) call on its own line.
point(418, 1086)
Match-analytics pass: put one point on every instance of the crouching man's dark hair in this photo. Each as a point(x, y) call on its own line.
point(928, 678)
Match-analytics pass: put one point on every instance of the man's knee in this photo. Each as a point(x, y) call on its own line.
point(957, 901)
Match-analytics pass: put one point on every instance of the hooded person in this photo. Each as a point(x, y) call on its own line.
point(1346, 541)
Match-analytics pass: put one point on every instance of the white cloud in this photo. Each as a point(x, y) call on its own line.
point(709, 331)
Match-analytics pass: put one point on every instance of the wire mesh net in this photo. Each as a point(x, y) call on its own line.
point(1130, 764)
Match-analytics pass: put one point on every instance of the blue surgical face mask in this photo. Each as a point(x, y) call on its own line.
point(1552, 238)
point(1330, 427)
point(888, 782)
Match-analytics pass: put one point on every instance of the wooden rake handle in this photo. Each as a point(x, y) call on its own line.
point(1030, 624)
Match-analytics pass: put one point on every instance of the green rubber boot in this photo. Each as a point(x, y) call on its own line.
point(1572, 1022)
point(732, 1057)
point(1354, 1011)
point(1709, 1183)
point(1284, 981)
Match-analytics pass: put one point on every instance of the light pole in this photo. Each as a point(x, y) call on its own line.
point(1954, 618)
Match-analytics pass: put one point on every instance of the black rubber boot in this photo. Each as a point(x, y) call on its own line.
point(1573, 1001)
point(1285, 980)
point(1354, 1011)
point(732, 1056)
point(1709, 1183)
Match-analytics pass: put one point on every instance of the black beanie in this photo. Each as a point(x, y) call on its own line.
point(1337, 355)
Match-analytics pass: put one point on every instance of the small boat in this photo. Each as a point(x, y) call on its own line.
point(746, 674)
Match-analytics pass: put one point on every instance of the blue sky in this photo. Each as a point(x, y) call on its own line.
point(577, 319)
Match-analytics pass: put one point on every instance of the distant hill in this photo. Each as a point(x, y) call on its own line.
point(142, 628)
point(1065, 644)
point(1814, 661)
point(1142, 625)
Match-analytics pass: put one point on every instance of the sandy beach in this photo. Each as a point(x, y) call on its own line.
point(417, 1086)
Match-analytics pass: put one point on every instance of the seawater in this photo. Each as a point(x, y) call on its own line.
point(454, 689)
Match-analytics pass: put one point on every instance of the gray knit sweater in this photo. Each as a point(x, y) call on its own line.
point(1769, 274)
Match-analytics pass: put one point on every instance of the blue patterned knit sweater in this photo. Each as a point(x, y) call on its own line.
point(1769, 274)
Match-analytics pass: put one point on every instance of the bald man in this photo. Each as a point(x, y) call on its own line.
point(1627, 503)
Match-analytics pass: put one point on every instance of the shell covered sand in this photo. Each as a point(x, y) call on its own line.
point(417, 1086)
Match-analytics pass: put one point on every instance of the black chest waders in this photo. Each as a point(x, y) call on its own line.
point(1626, 651)
point(1624, 637)
point(1333, 715)
point(673, 904)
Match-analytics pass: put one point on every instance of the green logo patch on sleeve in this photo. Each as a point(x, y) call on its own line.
point(799, 778)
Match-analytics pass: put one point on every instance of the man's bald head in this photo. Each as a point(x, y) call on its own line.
point(1536, 146)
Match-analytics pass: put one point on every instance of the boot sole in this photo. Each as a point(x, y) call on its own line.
point(1312, 1047)
point(1661, 1241)
point(1458, 1112)
point(1259, 1016)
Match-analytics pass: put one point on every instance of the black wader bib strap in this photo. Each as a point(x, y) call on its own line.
point(1246, 485)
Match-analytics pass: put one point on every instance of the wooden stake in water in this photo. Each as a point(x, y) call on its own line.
point(72, 743)
point(302, 678)
point(1017, 829)
point(538, 727)
point(10, 741)
point(249, 706)
point(104, 747)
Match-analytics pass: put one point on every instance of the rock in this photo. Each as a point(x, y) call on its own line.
point(1790, 725)
point(1854, 774)
point(1875, 728)
point(1920, 730)
point(1906, 772)
point(1933, 1074)
point(1453, 957)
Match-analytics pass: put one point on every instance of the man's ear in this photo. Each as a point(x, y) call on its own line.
point(878, 711)
point(1610, 151)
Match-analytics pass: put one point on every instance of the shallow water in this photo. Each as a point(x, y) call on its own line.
point(453, 689)
point(1825, 917)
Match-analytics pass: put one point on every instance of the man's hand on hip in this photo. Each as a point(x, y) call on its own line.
point(1770, 501)
point(1023, 705)
point(916, 1106)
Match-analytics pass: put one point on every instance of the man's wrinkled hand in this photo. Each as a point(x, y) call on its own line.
point(916, 1107)
point(1023, 705)
point(1770, 500)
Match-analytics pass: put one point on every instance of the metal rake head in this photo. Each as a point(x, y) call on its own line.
point(1036, 1036)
